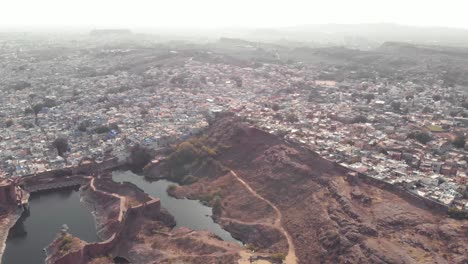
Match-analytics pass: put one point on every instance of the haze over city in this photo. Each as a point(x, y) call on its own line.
point(223, 13)
point(233, 132)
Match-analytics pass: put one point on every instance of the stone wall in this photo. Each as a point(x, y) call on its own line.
point(83, 169)
point(104, 248)
point(414, 199)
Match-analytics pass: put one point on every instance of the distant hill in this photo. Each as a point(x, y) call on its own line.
point(107, 32)
point(415, 49)
point(363, 35)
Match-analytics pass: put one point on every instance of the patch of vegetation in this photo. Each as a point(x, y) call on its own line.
point(171, 189)
point(278, 257)
point(456, 213)
point(435, 128)
point(140, 156)
point(66, 243)
point(102, 260)
point(217, 205)
point(251, 247)
point(188, 156)
point(359, 119)
point(459, 141)
point(9, 123)
point(189, 179)
point(422, 137)
point(209, 198)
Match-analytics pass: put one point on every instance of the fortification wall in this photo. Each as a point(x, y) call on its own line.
point(405, 194)
point(83, 169)
point(89, 251)
point(414, 199)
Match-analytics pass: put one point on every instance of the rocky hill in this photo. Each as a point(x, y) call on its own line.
point(286, 201)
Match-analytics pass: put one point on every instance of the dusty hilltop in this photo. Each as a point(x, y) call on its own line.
point(285, 200)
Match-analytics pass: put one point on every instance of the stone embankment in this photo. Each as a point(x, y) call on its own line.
point(116, 222)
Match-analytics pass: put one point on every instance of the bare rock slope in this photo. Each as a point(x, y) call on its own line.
point(328, 217)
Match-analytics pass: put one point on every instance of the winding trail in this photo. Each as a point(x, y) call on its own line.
point(291, 257)
point(121, 198)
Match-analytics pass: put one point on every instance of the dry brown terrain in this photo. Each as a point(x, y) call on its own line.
point(329, 218)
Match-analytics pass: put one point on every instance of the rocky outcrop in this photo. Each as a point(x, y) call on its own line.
point(331, 217)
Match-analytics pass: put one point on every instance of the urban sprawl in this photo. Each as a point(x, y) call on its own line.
point(409, 132)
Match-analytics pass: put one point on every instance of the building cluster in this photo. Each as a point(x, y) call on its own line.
point(102, 100)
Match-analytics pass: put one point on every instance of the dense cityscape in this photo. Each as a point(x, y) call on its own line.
point(409, 131)
point(120, 147)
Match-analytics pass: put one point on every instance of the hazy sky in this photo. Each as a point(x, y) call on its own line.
point(223, 13)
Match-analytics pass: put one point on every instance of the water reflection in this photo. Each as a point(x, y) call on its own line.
point(188, 213)
point(39, 225)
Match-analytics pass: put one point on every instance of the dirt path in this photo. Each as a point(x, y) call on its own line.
point(247, 223)
point(291, 257)
point(122, 199)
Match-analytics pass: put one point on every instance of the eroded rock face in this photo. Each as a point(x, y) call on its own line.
point(331, 218)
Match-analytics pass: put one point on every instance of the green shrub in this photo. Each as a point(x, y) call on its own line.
point(66, 243)
point(217, 205)
point(189, 179)
point(251, 247)
point(278, 257)
point(456, 213)
point(171, 189)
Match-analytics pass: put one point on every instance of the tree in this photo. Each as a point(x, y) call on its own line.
point(457, 213)
point(9, 123)
point(61, 144)
point(140, 156)
point(144, 112)
point(436, 97)
point(217, 206)
point(453, 113)
point(275, 107)
point(28, 111)
point(37, 108)
point(27, 124)
point(114, 126)
point(396, 105)
point(203, 79)
point(459, 141)
point(48, 102)
point(427, 109)
point(369, 97)
point(83, 126)
point(238, 81)
point(103, 99)
point(292, 118)
point(359, 119)
point(465, 105)
point(422, 137)
point(102, 129)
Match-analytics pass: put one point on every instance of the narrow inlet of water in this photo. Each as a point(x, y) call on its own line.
point(189, 213)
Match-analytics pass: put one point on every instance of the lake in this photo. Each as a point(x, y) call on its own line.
point(38, 226)
point(189, 213)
